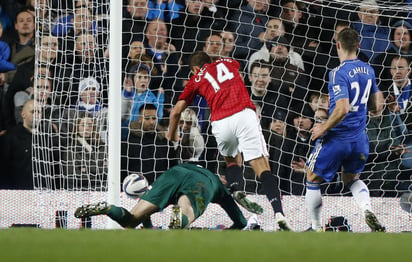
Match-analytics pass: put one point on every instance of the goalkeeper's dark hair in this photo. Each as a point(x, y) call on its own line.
point(199, 59)
point(349, 40)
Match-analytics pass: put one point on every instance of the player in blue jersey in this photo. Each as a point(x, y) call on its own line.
point(342, 142)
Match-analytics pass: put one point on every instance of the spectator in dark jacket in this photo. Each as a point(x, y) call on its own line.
point(147, 151)
point(16, 152)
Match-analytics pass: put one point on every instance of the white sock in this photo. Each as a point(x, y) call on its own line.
point(360, 193)
point(313, 199)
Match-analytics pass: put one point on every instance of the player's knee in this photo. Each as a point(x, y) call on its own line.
point(348, 178)
point(312, 177)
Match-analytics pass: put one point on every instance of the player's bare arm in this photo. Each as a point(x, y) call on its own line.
point(376, 102)
point(340, 111)
point(171, 134)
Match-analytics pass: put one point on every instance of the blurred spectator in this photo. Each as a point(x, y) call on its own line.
point(190, 29)
point(287, 79)
point(249, 23)
point(374, 36)
point(88, 61)
point(274, 29)
point(192, 144)
point(213, 46)
point(400, 44)
point(159, 49)
point(216, 13)
point(147, 151)
point(5, 18)
point(134, 23)
point(384, 170)
point(290, 151)
point(301, 34)
point(46, 15)
point(136, 51)
point(22, 47)
point(5, 64)
point(80, 21)
point(16, 151)
point(261, 94)
point(325, 60)
point(164, 10)
point(84, 159)
point(318, 100)
point(228, 43)
point(39, 93)
point(89, 96)
point(23, 80)
point(136, 93)
point(321, 115)
point(399, 92)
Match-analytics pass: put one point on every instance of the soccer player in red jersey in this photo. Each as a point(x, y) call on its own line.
point(235, 126)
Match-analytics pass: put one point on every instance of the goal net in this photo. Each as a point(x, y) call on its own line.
point(285, 49)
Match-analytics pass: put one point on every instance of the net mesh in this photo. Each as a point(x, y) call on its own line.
point(70, 141)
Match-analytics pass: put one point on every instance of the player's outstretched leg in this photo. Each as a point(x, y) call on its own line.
point(250, 206)
point(373, 223)
point(89, 210)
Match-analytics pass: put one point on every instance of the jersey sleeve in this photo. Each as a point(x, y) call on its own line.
point(340, 86)
point(189, 92)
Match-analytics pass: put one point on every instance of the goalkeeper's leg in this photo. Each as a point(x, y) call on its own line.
point(182, 213)
point(140, 213)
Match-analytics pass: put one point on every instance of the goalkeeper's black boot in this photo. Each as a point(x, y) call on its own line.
point(373, 222)
point(92, 210)
point(250, 206)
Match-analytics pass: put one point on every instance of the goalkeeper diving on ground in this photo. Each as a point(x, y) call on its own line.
point(188, 187)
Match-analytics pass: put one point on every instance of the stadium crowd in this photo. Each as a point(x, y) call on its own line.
point(54, 86)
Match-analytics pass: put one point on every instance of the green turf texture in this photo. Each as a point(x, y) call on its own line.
point(22, 244)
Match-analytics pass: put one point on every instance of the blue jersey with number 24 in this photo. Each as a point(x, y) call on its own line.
point(354, 80)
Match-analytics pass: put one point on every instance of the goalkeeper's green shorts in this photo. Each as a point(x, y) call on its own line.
point(199, 184)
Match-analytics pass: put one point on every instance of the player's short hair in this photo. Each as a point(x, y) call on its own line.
point(349, 40)
point(199, 59)
point(342, 23)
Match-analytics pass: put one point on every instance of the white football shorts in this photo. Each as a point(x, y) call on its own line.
point(240, 132)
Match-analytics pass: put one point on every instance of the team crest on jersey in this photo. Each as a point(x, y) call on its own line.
point(336, 89)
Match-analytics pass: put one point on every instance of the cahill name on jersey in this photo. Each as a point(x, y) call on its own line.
point(354, 80)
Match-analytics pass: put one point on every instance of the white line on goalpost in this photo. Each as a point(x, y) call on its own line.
point(115, 82)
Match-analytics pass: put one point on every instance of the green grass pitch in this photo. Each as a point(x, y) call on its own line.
point(22, 244)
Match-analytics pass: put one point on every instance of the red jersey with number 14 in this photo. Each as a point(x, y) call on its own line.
point(222, 86)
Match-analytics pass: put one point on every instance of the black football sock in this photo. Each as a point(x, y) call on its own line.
point(234, 178)
point(147, 223)
point(271, 190)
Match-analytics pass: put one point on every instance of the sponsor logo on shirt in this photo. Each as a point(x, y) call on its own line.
point(336, 89)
